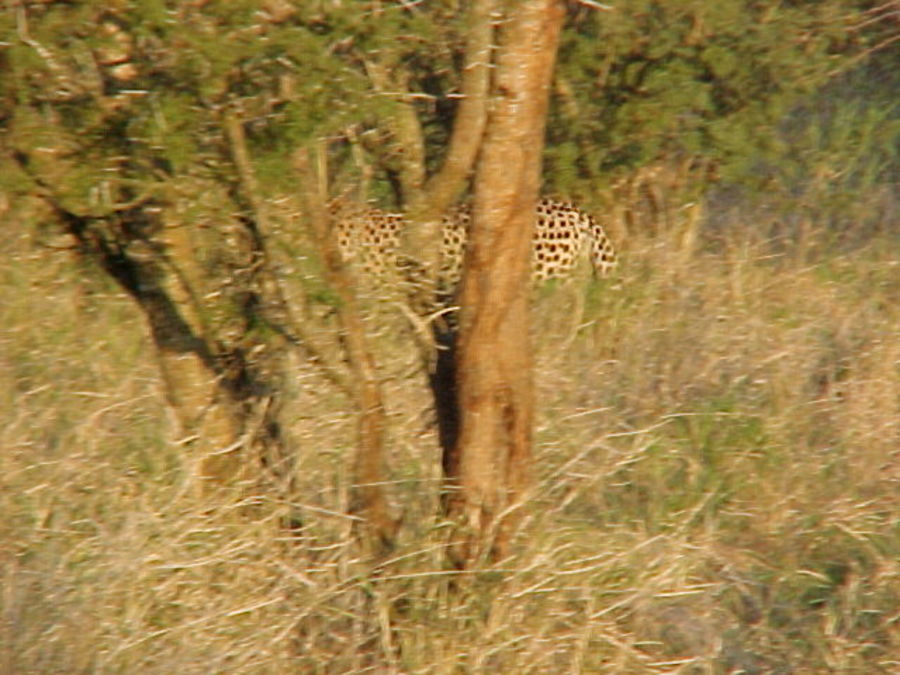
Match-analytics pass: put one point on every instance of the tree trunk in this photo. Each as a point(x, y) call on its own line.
point(489, 468)
point(221, 381)
point(368, 499)
point(426, 200)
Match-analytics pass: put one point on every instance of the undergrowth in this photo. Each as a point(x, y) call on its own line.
point(716, 491)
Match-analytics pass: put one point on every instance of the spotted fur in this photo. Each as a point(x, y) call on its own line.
point(563, 236)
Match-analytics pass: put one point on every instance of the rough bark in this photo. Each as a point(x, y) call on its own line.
point(442, 188)
point(404, 126)
point(195, 383)
point(222, 382)
point(264, 302)
point(427, 199)
point(490, 466)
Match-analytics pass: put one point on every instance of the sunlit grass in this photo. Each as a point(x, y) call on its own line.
point(717, 490)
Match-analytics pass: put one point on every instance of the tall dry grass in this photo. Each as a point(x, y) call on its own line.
point(716, 492)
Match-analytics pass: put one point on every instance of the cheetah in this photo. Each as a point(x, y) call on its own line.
point(563, 236)
point(369, 238)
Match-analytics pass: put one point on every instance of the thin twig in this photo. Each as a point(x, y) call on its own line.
point(595, 5)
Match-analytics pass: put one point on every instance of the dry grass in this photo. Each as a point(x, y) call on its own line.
point(718, 481)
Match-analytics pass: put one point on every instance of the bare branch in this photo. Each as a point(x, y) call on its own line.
point(369, 499)
point(862, 56)
point(444, 187)
point(406, 129)
point(468, 125)
point(595, 5)
point(68, 88)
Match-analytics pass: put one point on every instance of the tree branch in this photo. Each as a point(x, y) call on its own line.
point(406, 129)
point(443, 187)
point(369, 498)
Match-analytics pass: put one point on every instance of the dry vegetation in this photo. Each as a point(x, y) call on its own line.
point(718, 488)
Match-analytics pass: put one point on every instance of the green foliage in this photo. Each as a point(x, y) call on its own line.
point(839, 144)
point(735, 83)
point(148, 82)
point(653, 82)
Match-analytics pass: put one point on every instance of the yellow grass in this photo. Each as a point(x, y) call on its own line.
point(717, 489)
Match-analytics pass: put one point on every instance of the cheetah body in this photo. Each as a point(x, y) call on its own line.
point(564, 235)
